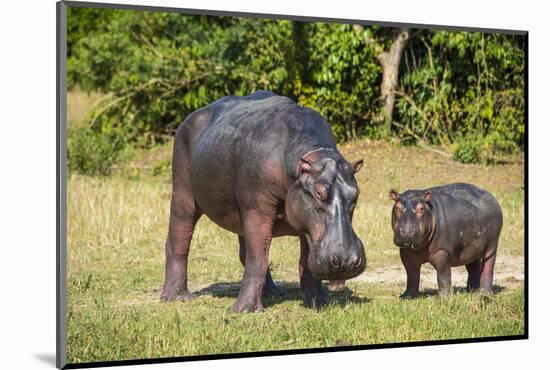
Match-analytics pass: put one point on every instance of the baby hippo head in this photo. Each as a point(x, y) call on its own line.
point(412, 218)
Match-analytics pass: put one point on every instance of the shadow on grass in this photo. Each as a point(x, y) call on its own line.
point(292, 292)
point(497, 289)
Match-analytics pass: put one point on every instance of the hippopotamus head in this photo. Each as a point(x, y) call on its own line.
point(320, 204)
point(412, 218)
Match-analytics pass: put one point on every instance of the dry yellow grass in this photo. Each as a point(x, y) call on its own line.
point(79, 104)
point(116, 231)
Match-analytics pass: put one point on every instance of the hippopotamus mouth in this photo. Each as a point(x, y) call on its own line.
point(329, 273)
point(407, 245)
point(413, 245)
point(344, 266)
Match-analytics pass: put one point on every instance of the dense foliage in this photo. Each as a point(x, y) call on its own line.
point(462, 90)
point(467, 88)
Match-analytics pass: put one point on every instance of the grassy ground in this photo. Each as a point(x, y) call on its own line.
point(116, 232)
point(78, 105)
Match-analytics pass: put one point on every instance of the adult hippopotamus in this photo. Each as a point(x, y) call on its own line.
point(262, 166)
point(451, 225)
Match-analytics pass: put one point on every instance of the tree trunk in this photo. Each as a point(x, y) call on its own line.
point(390, 61)
point(298, 59)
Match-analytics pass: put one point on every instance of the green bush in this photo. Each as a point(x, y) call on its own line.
point(463, 84)
point(344, 79)
point(93, 153)
point(479, 149)
point(159, 67)
point(467, 150)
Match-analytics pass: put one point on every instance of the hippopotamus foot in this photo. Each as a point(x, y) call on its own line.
point(249, 300)
point(315, 298)
point(175, 289)
point(270, 289)
point(184, 296)
point(444, 287)
point(247, 306)
point(474, 274)
point(409, 295)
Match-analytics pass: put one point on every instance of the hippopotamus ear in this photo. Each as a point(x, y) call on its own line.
point(357, 165)
point(394, 195)
point(305, 170)
point(305, 166)
point(427, 196)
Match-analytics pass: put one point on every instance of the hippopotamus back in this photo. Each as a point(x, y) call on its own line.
point(465, 212)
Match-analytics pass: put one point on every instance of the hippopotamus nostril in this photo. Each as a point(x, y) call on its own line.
point(335, 261)
point(407, 233)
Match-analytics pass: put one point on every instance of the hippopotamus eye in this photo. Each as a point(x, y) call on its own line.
point(399, 209)
point(321, 192)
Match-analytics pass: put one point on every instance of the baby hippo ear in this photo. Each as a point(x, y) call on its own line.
point(357, 165)
point(394, 195)
point(427, 196)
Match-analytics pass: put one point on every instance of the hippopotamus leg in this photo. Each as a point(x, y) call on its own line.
point(488, 267)
point(441, 261)
point(412, 263)
point(474, 272)
point(184, 214)
point(269, 288)
point(258, 231)
point(314, 295)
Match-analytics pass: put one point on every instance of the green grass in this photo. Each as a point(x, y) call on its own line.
point(116, 231)
point(104, 330)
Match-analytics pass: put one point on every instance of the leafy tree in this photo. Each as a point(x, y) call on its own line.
point(344, 78)
point(465, 88)
point(459, 89)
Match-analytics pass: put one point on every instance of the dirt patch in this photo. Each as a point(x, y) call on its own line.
point(509, 271)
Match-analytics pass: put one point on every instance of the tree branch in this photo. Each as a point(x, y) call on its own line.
point(421, 143)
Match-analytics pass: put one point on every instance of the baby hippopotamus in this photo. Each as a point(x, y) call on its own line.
point(451, 225)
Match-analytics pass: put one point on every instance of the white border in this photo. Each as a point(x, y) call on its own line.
point(27, 184)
